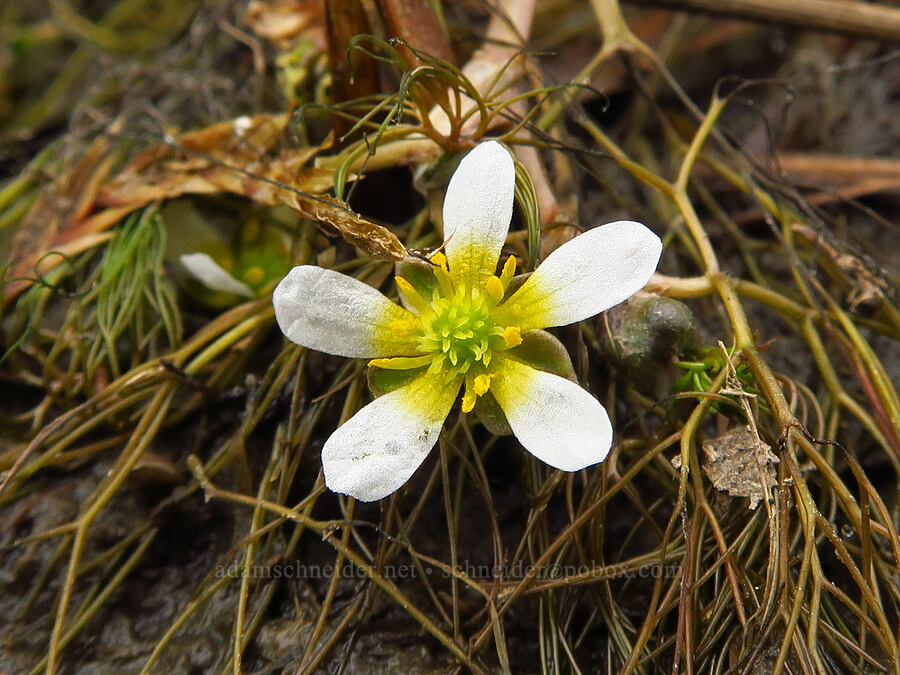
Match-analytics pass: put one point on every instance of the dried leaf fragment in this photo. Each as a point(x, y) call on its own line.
point(372, 239)
point(57, 221)
point(740, 464)
point(866, 286)
point(286, 22)
point(241, 157)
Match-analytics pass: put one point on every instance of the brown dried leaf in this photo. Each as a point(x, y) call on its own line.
point(353, 75)
point(286, 22)
point(239, 156)
point(414, 21)
point(839, 171)
point(236, 157)
point(866, 288)
point(371, 238)
point(740, 464)
point(495, 66)
point(154, 469)
point(56, 221)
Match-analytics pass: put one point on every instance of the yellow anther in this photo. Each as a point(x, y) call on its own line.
point(475, 387)
point(512, 336)
point(251, 231)
point(468, 401)
point(509, 271)
point(494, 288)
point(442, 273)
point(481, 384)
point(439, 259)
point(405, 286)
point(411, 294)
point(402, 362)
point(402, 327)
point(255, 275)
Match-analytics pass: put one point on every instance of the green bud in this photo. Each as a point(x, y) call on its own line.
point(644, 333)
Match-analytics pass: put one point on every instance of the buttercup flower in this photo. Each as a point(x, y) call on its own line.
point(224, 271)
point(459, 331)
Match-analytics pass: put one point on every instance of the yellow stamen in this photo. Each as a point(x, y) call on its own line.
point(481, 384)
point(402, 362)
point(509, 271)
point(402, 327)
point(495, 288)
point(512, 336)
point(251, 231)
point(411, 294)
point(255, 275)
point(442, 273)
point(468, 401)
point(439, 259)
point(475, 387)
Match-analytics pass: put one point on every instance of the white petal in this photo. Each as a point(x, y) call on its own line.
point(477, 211)
point(330, 312)
point(585, 276)
point(208, 271)
point(377, 450)
point(555, 420)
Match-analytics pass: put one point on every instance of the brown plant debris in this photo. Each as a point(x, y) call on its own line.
point(740, 463)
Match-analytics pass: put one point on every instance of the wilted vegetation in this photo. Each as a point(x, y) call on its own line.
point(162, 499)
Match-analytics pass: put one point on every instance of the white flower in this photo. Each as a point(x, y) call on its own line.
point(457, 331)
point(212, 275)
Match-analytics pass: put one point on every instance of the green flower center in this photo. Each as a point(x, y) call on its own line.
point(458, 333)
point(455, 330)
